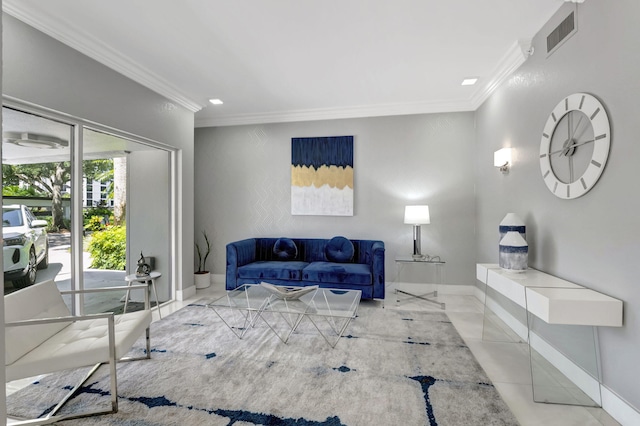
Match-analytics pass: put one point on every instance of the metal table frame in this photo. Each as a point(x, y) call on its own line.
point(252, 301)
point(402, 261)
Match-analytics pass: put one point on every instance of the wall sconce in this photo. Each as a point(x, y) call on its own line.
point(502, 159)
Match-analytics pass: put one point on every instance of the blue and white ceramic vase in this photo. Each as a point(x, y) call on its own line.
point(512, 222)
point(514, 252)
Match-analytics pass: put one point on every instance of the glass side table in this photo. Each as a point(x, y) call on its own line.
point(403, 261)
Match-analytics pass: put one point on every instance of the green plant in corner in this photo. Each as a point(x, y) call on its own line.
point(202, 259)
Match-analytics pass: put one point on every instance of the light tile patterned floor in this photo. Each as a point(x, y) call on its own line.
point(506, 364)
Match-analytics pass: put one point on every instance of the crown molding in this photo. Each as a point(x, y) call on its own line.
point(99, 51)
point(511, 61)
point(335, 113)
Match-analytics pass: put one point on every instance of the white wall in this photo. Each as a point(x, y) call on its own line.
point(43, 71)
point(592, 240)
point(243, 180)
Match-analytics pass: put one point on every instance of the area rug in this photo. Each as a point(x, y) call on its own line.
point(391, 367)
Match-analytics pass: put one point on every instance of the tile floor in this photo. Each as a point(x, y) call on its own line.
point(506, 364)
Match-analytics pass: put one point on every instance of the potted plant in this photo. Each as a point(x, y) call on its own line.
point(202, 277)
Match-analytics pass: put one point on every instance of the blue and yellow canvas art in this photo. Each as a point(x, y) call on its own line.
point(322, 176)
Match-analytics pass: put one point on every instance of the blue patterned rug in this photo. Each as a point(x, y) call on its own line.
point(392, 367)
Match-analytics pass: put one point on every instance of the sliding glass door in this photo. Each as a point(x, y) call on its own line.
point(83, 223)
point(126, 214)
point(37, 224)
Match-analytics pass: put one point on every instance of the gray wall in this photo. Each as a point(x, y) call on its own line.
point(592, 240)
point(244, 186)
point(148, 215)
point(43, 71)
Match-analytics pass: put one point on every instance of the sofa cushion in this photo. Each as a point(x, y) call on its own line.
point(274, 269)
point(285, 249)
point(338, 273)
point(339, 249)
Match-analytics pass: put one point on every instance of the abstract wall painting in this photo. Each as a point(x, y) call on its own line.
point(322, 176)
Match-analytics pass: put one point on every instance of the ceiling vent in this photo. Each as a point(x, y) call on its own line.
point(562, 32)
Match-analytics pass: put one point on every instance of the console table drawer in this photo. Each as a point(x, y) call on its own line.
point(574, 306)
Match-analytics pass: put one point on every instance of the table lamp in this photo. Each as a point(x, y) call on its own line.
point(416, 216)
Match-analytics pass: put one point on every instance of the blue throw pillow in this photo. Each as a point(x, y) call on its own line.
point(285, 249)
point(339, 249)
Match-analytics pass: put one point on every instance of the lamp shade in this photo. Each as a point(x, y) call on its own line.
point(502, 157)
point(416, 215)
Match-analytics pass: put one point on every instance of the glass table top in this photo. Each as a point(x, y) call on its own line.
point(323, 301)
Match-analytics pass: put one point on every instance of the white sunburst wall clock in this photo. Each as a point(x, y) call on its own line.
point(575, 146)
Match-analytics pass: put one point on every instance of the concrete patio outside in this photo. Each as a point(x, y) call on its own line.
point(60, 271)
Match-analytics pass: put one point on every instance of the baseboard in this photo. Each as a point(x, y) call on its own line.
point(614, 405)
point(618, 408)
point(186, 293)
point(478, 293)
point(515, 325)
point(583, 380)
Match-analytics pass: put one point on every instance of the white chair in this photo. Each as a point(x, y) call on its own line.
point(41, 337)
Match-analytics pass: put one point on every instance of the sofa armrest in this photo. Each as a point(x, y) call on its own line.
point(377, 269)
point(239, 253)
point(71, 318)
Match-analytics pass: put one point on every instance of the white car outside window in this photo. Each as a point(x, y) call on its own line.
point(25, 245)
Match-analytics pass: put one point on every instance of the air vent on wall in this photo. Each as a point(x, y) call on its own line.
point(562, 32)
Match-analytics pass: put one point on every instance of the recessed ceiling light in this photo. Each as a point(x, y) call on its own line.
point(216, 101)
point(33, 140)
point(470, 81)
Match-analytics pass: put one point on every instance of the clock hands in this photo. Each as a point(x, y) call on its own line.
point(567, 148)
point(577, 126)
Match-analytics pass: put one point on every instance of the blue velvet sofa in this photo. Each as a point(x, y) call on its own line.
point(330, 263)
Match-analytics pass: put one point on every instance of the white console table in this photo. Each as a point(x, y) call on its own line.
point(557, 303)
point(554, 300)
